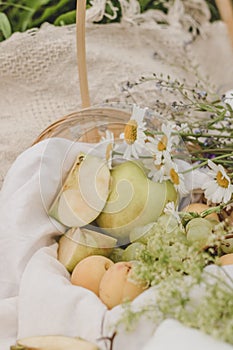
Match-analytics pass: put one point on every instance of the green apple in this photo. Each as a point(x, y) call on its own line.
point(133, 251)
point(53, 342)
point(142, 233)
point(84, 193)
point(134, 200)
point(169, 222)
point(116, 254)
point(198, 231)
point(78, 243)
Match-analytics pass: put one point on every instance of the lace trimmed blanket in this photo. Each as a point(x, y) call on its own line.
point(39, 77)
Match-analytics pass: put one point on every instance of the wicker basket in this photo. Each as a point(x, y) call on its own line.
point(84, 125)
point(89, 119)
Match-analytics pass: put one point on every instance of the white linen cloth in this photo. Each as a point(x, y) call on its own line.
point(37, 297)
point(173, 335)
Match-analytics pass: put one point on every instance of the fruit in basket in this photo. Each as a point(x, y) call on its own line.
point(227, 245)
point(133, 251)
point(78, 243)
point(84, 192)
point(117, 285)
point(226, 259)
point(199, 208)
point(198, 231)
point(134, 200)
point(53, 342)
point(89, 272)
point(142, 233)
point(116, 254)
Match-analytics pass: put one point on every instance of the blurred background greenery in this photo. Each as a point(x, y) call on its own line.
point(20, 15)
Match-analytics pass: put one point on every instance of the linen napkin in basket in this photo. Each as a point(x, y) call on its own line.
point(37, 297)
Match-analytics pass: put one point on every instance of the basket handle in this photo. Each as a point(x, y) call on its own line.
point(81, 52)
point(225, 8)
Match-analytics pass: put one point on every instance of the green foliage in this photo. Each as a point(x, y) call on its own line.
point(5, 26)
point(66, 18)
point(26, 14)
point(153, 4)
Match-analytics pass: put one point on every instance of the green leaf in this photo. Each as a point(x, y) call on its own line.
point(66, 18)
point(5, 26)
point(27, 16)
point(229, 107)
point(49, 11)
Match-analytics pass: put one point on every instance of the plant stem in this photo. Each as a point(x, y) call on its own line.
point(205, 163)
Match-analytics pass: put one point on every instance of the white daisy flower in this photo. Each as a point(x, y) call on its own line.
point(110, 145)
point(171, 209)
point(134, 136)
point(172, 173)
point(157, 173)
point(218, 188)
point(161, 146)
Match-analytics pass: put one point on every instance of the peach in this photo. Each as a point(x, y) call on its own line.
point(198, 208)
point(226, 259)
point(116, 285)
point(89, 272)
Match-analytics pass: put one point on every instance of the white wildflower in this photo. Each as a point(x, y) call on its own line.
point(171, 209)
point(218, 188)
point(157, 173)
point(173, 174)
point(161, 146)
point(134, 136)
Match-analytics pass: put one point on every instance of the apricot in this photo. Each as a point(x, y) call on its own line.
point(89, 272)
point(118, 286)
point(226, 259)
point(198, 208)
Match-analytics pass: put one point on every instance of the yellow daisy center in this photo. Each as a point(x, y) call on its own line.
point(130, 132)
point(162, 145)
point(174, 176)
point(221, 180)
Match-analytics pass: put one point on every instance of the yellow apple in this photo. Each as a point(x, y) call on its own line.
point(89, 272)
